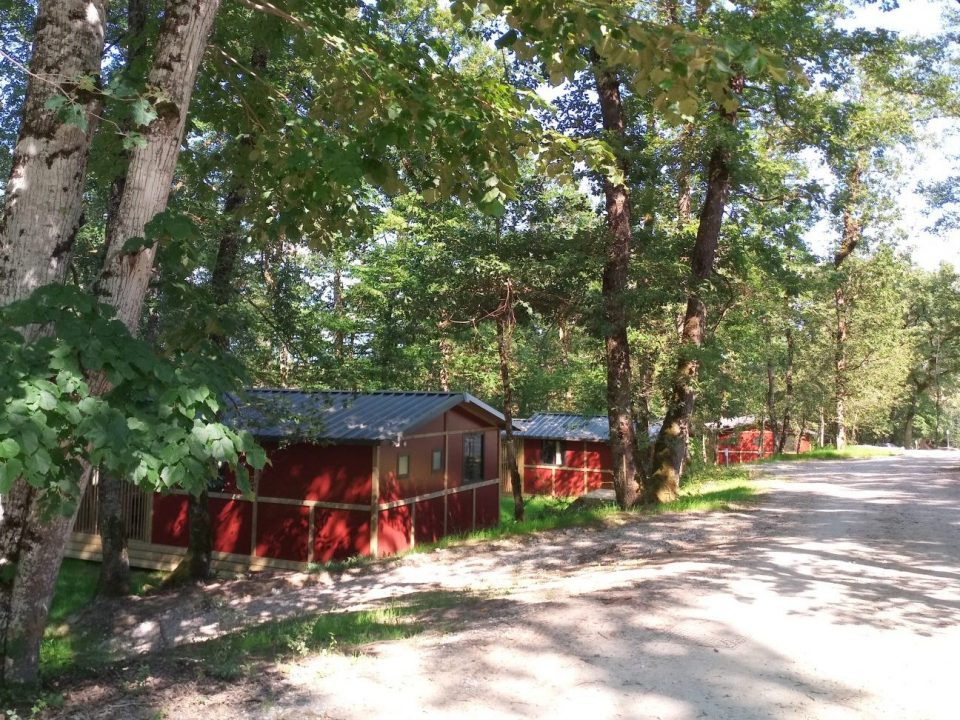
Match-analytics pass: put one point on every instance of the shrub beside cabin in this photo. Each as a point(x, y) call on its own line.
point(349, 474)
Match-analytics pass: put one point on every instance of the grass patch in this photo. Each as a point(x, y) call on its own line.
point(76, 589)
point(851, 452)
point(235, 655)
point(712, 488)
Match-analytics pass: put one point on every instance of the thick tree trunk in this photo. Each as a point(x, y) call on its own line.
point(771, 407)
point(840, 369)
point(505, 325)
point(41, 217)
point(180, 47)
point(615, 276)
point(788, 393)
point(115, 563)
point(32, 546)
point(42, 207)
point(851, 238)
point(670, 449)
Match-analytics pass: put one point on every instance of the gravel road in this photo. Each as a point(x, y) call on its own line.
point(839, 599)
point(837, 596)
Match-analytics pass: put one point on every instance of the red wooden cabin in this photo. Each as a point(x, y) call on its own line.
point(564, 455)
point(349, 474)
point(746, 442)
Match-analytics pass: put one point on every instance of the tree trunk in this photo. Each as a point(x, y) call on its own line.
point(787, 394)
point(41, 217)
point(670, 449)
point(44, 197)
point(840, 369)
point(505, 326)
point(30, 543)
point(115, 562)
point(851, 238)
point(180, 47)
point(771, 408)
point(115, 566)
point(615, 276)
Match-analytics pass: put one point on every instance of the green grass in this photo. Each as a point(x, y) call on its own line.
point(76, 589)
point(851, 452)
point(712, 488)
point(234, 655)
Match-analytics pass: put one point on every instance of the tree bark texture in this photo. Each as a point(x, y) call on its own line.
point(771, 407)
point(31, 544)
point(505, 325)
point(115, 566)
point(787, 393)
point(41, 216)
point(180, 48)
point(44, 197)
point(115, 563)
point(670, 449)
point(615, 276)
point(848, 243)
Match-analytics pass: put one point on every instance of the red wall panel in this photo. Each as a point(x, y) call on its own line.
point(537, 481)
point(455, 462)
point(597, 480)
point(232, 522)
point(460, 512)
point(282, 531)
point(336, 473)
point(458, 420)
point(421, 479)
point(568, 483)
point(573, 454)
point(340, 534)
point(170, 525)
point(531, 452)
point(393, 532)
point(488, 506)
point(429, 523)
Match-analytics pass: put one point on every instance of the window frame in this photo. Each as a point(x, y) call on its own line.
point(558, 452)
point(400, 461)
point(470, 475)
point(436, 460)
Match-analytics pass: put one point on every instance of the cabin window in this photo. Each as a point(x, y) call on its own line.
point(403, 466)
point(551, 453)
point(437, 463)
point(473, 457)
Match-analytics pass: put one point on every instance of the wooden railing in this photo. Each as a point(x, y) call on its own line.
point(135, 511)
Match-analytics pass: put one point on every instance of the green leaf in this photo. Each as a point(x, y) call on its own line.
point(9, 448)
point(142, 112)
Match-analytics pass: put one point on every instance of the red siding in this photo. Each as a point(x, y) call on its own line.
point(429, 525)
point(569, 482)
point(340, 534)
point(488, 506)
point(537, 481)
point(170, 524)
point(460, 420)
point(393, 533)
point(744, 446)
point(459, 513)
point(335, 473)
point(232, 525)
point(421, 479)
point(282, 531)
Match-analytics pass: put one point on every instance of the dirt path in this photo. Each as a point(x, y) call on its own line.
point(837, 597)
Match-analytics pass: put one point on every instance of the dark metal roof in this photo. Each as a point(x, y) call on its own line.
point(567, 426)
point(564, 426)
point(341, 416)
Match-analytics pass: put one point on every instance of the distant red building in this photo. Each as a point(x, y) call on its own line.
point(349, 474)
point(746, 442)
